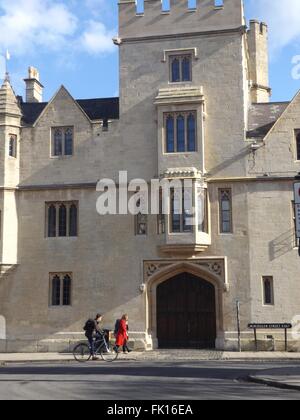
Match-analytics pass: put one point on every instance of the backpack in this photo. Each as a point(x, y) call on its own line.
point(89, 327)
point(117, 326)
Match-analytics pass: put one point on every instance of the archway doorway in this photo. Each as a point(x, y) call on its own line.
point(186, 313)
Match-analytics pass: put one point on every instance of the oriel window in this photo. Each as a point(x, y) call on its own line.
point(180, 132)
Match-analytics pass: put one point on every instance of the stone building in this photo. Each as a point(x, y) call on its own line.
point(194, 103)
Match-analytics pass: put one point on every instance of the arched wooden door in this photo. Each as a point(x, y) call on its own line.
point(186, 313)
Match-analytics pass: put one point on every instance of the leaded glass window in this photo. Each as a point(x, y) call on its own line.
point(180, 132)
point(56, 285)
point(181, 68)
point(225, 211)
point(62, 141)
point(62, 219)
point(61, 289)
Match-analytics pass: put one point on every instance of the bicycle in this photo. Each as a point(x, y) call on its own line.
point(82, 352)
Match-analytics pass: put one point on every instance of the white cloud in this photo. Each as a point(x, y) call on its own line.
point(97, 39)
point(283, 20)
point(30, 26)
point(26, 24)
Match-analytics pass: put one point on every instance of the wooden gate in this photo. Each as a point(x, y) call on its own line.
point(186, 313)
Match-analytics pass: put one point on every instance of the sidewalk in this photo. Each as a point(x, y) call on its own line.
point(157, 355)
point(279, 378)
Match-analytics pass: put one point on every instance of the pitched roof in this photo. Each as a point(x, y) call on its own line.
point(263, 116)
point(96, 109)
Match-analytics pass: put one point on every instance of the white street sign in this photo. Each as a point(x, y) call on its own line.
point(297, 213)
point(297, 192)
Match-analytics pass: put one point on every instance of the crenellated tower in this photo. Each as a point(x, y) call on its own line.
point(184, 97)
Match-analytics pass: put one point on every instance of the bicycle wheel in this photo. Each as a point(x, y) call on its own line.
point(82, 353)
point(108, 355)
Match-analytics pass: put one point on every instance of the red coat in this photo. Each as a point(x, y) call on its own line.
point(122, 335)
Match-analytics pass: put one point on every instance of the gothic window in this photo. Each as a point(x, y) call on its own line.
point(69, 142)
point(62, 219)
point(170, 134)
point(60, 289)
point(62, 141)
point(298, 145)
point(67, 290)
point(175, 70)
point(186, 69)
point(181, 211)
point(56, 285)
point(13, 146)
point(51, 221)
point(181, 132)
point(57, 142)
point(181, 68)
point(225, 211)
point(268, 291)
point(73, 220)
point(141, 224)
point(191, 133)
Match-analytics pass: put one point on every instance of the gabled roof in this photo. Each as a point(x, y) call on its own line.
point(263, 116)
point(95, 109)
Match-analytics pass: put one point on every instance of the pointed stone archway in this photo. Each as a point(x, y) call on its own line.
point(213, 271)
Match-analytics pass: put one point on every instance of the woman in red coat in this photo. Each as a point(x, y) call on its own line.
point(122, 336)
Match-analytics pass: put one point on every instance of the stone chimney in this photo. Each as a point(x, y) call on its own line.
point(34, 88)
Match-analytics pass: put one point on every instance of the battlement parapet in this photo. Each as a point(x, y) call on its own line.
point(150, 18)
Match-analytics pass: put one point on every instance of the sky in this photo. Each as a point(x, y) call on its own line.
point(69, 41)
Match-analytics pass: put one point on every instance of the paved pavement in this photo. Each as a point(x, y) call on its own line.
point(141, 380)
point(158, 355)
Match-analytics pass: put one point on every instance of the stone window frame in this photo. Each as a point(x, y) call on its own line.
point(13, 146)
point(220, 212)
point(62, 277)
point(271, 301)
point(58, 205)
point(175, 115)
point(64, 130)
point(167, 54)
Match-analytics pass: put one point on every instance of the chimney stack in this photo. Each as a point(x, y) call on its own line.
point(34, 88)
